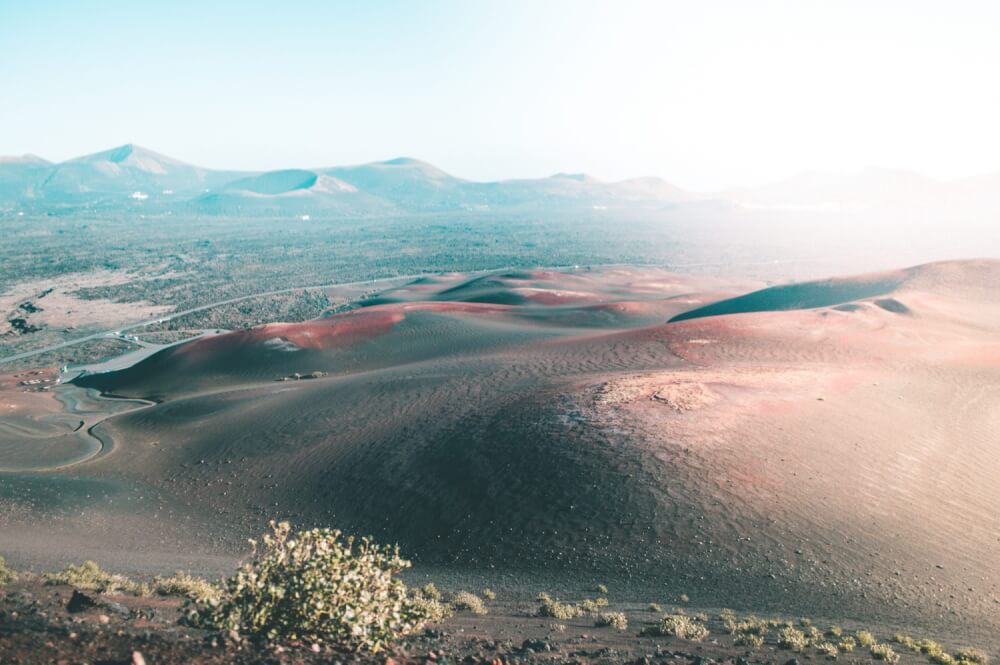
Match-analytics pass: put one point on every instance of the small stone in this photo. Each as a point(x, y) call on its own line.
point(137, 658)
point(314, 648)
point(103, 618)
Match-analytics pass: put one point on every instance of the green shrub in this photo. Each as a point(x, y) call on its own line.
point(792, 638)
point(883, 652)
point(464, 600)
point(89, 576)
point(678, 625)
point(489, 594)
point(827, 649)
point(7, 575)
point(847, 644)
point(317, 587)
point(183, 584)
point(865, 638)
point(616, 620)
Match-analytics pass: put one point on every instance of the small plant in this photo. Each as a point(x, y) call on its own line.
point(7, 575)
point(883, 652)
point(429, 591)
point(749, 640)
point(678, 625)
point(183, 584)
point(558, 627)
point(683, 598)
point(815, 635)
point(616, 620)
point(906, 641)
point(466, 601)
point(489, 594)
point(551, 607)
point(834, 631)
point(543, 597)
point(316, 586)
point(600, 588)
point(89, 576)
point(827, 649)
point(865, 638)
point(592, 605)
point(653, 607)
point(805, 622)
point(847, 644)
point(700, 616)
point(971, 657)
point(433, 611)
point(752, 626)
point(792, 639)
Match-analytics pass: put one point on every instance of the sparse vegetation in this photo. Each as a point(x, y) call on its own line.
point(865, 638)
point(316, 586)
point(89, 576)
point(7, 574)
point(616, 620)
point(593, 605)
point(553, 608)
point(430, 591)
point(749, 640)
point(883, 652)
point(600, 588)
point(469, 602)
point(683, 598)
point(971, 657)
point(792, 639)
point(847, 644)
point(489, 594)
point(828, 649)
point(653, 607)
point(184, 584)
point(678, 625)
point(906, 641)
point(834, 631)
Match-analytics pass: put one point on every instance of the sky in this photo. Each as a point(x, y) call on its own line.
point(707, 94)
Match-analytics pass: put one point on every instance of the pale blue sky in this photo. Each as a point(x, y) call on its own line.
point(706, 94)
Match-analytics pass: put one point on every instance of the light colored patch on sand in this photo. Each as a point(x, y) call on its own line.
point(51, 303)
point(692, 390)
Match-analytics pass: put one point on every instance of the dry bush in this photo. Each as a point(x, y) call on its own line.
point(183, 584)
point(467, 601)
point(316, 586)
point(616, 620)
point(792, 639)
point(7, 574)
point(678, 625)
point(883, 652)
point(89, 576)
point(489, 594)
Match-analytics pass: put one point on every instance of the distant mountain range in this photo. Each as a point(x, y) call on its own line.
point(130, 176)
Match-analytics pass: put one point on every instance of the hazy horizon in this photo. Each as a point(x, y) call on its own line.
point(707, 97)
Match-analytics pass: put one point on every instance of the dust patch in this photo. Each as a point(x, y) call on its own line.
point(50, 304)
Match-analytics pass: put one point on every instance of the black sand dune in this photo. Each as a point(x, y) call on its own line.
point(804, 461)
